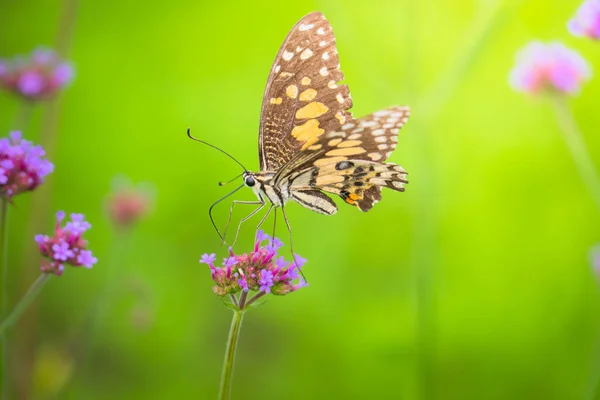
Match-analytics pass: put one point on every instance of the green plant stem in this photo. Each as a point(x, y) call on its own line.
point(574, 140)
point(594, 377)
point(234, 333)
point(24, 338)
point(23, 115)
point(4, 289)
point(22, 305)
point(254, 298)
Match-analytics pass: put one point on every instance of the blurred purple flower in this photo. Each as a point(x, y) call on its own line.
point(23, 166)
point(78, 225)
point(548, 66)
point(66, 246)
point(38, 76)
point(62, 251)
point(86, 258)
point(586, 21)
point(259, 270)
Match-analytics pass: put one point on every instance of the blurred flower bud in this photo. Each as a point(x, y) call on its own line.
point(586, 21)
point(41, 75)
point(549, 66)
point(128, 203)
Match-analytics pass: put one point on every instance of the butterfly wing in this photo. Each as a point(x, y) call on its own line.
point(302, 100)
point(349, 162)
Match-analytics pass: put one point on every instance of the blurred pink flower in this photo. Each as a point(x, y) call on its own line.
point(586, 21)
point(38, 76)
point(548, 66)
point(128, 203)
point(595, 260)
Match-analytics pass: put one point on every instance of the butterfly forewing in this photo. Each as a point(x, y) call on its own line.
point(303, 99)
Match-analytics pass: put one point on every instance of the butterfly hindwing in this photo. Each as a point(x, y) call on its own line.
point(349, 162)
point(302, 100)
point(357, 182)
point(315, 200)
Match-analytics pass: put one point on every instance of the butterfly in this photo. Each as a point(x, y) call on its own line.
point(310, 145)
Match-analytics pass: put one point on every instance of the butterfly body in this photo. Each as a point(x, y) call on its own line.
point(310, 145)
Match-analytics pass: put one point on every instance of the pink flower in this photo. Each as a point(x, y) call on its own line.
point(23, 166)
point(66, 247)
point(41, 75)
point(259, 270)
point(549, 66)
point(129, 203)
point(586, 21)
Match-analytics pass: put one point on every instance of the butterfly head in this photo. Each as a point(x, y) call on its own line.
point(249, 179)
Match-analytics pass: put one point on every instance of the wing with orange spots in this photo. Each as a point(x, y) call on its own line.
point(357, 182)
point(372, 138)
point(303, 99)
point(350, 162)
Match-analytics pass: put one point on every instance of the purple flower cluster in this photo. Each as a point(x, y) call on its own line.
point(260, 270)
point(38, 76)
point(586, 21)
point(549, 66)
point(23, 166)
point(66, 246)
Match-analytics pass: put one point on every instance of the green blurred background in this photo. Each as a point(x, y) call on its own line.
point(473, 284)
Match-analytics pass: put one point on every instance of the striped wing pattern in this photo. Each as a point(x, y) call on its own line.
point(348, 162)
point(303, 100)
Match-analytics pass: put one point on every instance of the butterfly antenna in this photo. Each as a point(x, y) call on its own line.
point(214, 147)
point(217, 202)
point(231, 180)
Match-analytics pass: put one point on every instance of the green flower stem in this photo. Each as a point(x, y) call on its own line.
point(23, 116)
point(254, 298)
point(594, 376)
point(577, 147)
point(234, 333)
point(242, 300)
point(24, 303)
point(3, 288)
point(234, 300)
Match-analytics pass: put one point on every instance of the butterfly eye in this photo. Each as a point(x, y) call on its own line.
point(249, 181)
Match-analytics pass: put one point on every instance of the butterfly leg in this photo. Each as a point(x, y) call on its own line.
point(287, 223)
point(231, 213)
point(274, 222)
point(246, 218)
point(262, 220)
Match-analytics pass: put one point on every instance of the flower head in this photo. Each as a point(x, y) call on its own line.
point(260, 270)
point(37, 76)
point(549, 66)
point(586, 21)
point(23, 166)
point(129, 203)
point(66, 247)
point(595, 259)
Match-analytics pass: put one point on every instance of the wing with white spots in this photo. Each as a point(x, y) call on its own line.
point(302, 100)
point(377, 132)
point(350, 162)
point(357, 182)
point(372, 138)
